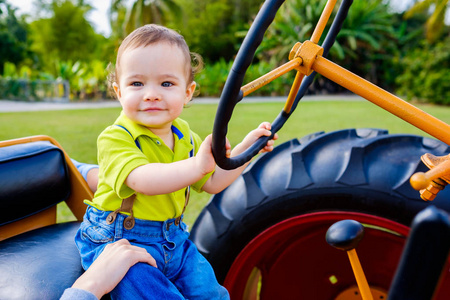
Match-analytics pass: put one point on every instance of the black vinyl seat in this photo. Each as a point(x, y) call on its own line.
point(39, 264)
point(38, 258)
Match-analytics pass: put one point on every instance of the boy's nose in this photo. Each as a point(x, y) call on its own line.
point(152, 95)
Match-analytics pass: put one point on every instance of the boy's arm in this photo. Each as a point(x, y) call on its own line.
point(223, 178)
point(161, 178)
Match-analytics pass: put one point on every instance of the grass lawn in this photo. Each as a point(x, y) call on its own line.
point(77, 130)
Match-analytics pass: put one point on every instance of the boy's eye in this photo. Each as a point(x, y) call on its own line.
point(166, 84)
point(136, 83)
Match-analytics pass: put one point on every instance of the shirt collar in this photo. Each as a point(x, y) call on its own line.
point(179, 127)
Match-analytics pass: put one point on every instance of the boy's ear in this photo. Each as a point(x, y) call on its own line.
point(116, 89)
point(190, 91)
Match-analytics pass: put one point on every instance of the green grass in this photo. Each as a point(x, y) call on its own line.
point(77, 130)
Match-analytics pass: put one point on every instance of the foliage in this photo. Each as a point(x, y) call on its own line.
point(365, 42)
point(211, 27)
point(66, 35)
point(435, 24)
point(60, 44)
point(426, 73)
point(13, 36)
point(294, 23)
point(368, 39)
point(211, 79)
point(22, 84)
point(86, 81)
point(143, 12)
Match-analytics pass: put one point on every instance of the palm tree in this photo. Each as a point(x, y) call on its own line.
point(144, 12)
point(436, 22)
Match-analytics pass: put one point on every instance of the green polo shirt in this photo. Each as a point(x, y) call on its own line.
point(118, 155)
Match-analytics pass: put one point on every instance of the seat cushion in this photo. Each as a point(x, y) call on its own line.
point(39, 264)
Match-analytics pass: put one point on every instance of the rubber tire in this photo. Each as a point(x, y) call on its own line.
point(359, 170)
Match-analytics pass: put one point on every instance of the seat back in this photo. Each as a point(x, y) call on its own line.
point(35, 175)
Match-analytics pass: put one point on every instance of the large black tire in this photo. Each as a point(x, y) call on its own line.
point(356, 170)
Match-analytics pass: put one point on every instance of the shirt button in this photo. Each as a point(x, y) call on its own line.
point(158, 142)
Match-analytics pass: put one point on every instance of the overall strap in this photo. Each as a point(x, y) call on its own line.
point(188, 189)
point(126, 206)
point(127, 203)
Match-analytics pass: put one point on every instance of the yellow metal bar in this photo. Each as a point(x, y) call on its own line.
point(293, 92)
point(359, 275)
point(269, 77)
point(383, 99)
point(323, 21)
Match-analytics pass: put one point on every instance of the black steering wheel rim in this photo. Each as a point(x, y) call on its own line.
point(232, 94)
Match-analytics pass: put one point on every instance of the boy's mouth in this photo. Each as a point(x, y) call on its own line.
point(150, 109)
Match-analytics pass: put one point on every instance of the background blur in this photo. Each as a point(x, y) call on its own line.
point(59, 50)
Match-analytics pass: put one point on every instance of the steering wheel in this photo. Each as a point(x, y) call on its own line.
point(233, 93)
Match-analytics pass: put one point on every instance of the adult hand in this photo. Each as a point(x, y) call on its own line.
point(111, 266)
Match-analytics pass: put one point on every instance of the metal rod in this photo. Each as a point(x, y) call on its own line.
point(383, 99)
point(269, 77)
point(323, 21)
point(359, 275)
point(293, 92)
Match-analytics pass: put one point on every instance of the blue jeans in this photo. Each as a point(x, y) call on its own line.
point(182, 273)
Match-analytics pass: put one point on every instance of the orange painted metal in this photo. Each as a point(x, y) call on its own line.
point(352, 293)
point(383, 99)
point(293, 92)
point(361, 280)
point(326, 13)
point(44, 218)
point(435, 180)
point(269, 77)
point(308, 51)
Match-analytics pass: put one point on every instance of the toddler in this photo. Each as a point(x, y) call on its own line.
point(148, 160)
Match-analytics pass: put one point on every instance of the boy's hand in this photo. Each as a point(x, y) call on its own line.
point(223, 178)
point(205, 158)
point(262, 130)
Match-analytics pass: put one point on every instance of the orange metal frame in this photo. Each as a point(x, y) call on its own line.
point(79, 191)
point(306, 59)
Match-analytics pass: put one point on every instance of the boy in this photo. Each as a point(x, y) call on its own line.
point(146, 164)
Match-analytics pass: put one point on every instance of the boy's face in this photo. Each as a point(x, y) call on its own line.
point(153, 87)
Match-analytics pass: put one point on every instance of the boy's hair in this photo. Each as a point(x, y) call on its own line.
point(151, 34)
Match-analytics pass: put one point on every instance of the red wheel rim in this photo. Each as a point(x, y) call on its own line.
point(291, 259)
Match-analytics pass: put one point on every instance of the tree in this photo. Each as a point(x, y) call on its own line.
point(66, 35)
point(368, 40)
point(435, 24)
point(13, 36)
point(425, 75)
point(214, 28)
point(144, 12)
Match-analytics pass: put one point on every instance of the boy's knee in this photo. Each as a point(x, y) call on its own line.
point(146, 282)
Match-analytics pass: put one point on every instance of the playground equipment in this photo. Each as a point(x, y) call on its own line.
point(265, 234)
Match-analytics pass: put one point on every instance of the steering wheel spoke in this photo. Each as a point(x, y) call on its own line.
point(269, 77)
